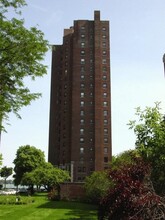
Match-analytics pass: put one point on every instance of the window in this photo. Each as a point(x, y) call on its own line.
point(105, 112)
point(104, 85)
point(91, 85)
point(82, 61)
point(82, 94)
point(91, 93)
point(103, 29)
point(104, 44)
point(82, 28)
point(104, 61)
point(91, 121)
point(81, 140)
point(79, 178)
point(104, 36)
point(105, 130)
point(104, 52)
point(105, 150)
point(104, 77)
point(82, 44)
point(82, 52)
point(82, 113)
point(82, 85)
point(105, 159)
point(81, 159)
point(82, 35)
point(81, 150)
point(105, 104)
point(81, 169)
point(81, 131)
point(82, 77)
point(82, 103)
point(105, 140)
point(105, 121)
point(104, 94)
point(82, 68)
point(81, 121)
point(104, 69)
point(91, 169)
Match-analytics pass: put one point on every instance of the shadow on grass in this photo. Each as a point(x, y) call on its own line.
point(73, 210)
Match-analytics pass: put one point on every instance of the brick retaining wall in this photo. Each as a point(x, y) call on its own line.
point(72, 191)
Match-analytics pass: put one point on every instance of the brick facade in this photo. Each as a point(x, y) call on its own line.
point(80, 110)
point(72, 191)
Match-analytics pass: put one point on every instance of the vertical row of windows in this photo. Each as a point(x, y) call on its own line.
point(83, 103)
point(105, 87)
point(64, 92)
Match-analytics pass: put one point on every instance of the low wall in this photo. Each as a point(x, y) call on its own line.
point(72, 191)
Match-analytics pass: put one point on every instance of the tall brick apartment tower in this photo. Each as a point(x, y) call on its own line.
point(80, 109)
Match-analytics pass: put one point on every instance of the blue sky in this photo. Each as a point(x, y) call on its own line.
point(137, 39)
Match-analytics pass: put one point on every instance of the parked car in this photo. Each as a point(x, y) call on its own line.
point(8, 192)
point(22, 190)
point(2, 192)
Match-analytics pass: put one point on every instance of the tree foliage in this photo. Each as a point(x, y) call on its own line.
point(96, 186)
point(21, 53)
point(28, 158)
point(6, 172)
point(132, 196)
point(149, 129)
point(46, 175)
point(123, 158)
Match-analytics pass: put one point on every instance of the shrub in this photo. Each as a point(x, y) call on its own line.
point(15, 200)
point(132, 196)
point(53, 195)
point(96, 186)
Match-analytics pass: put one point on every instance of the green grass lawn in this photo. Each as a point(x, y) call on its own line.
point(42, 208)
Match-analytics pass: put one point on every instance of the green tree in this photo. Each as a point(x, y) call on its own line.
point(149, 129)
point(47, 176)
point(6, 172)
point(28, 158)
point(123, 159)
point(96, 186)
point(21, 53)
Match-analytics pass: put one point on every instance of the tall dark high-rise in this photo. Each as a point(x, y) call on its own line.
point(80, 109)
